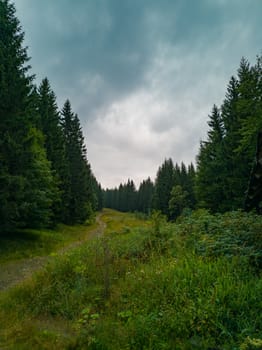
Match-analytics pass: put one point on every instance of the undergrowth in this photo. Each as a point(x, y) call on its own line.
point(184, 286)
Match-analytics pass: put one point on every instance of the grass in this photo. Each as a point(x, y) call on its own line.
point(31, 243)
point(117, 222)
point(133, 289)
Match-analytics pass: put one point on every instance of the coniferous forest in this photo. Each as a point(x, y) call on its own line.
point(224, 161)
point(174, 263)
point(45, 174)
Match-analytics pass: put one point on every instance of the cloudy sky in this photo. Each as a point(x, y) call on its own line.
point(142, 75)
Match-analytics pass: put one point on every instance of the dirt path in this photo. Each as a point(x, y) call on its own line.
point(13, 273)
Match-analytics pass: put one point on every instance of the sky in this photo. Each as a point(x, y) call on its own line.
point(142, 75)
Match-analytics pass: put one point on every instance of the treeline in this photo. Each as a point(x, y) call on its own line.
point(225, 159)
point(224, 162)
point(45, 177)
point(171, 192)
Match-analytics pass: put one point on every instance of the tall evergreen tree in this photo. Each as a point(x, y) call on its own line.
point(100, 196)
point(233, 162)
point(77, 197)
point(23, 164)
point(241, 113)
point(251, 125)
point(163, 186)
point(177, 174)
point(50, 124)
point(145, 196)
point(249, 106)
point(130, 196)
point(109, 198)
point(190, 188)
point(209, 181)
point(185, 177)
point(228, 154)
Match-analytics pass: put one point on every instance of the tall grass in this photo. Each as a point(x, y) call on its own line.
point(136, 288)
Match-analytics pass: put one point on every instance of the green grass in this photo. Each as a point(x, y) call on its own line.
point(31, 243)
point(134, 290)
point(117, 222)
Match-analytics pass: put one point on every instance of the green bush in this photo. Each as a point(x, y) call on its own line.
point(230, 234)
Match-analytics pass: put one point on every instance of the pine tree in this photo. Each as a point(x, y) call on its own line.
point(130, 196)
point(241, 113)
point(163, 186)
point(23, 164)
point(228, 154)
point(250, 129)
point(190, 188)
point(185, 177)
point(100, 196)
point(110, 199)
point(232, 175)
point(145, 196)
point(77, 197)
point(40, 190)
point(249, 106)
point(50, 125)
point(120, 198)
point(209, 180)
point(177, 175)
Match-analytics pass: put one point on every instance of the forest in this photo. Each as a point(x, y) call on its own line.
point(45, 174)
point(225, 160)
point(45, 177)
point(172, 264)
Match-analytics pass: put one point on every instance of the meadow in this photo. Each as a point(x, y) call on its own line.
point(146, 284)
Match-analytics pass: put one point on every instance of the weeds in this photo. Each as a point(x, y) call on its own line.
point(141, 288)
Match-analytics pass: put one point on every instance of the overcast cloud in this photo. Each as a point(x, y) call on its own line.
point(142, 75)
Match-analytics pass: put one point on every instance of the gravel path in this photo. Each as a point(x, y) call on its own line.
point(12, 273)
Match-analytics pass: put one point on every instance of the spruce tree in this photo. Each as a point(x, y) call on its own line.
point(130, 196)
point(26, 181)
point(99, 195)
point(77, 197)
point(120, 198)
point(241, 113)
point(190, 188)
point(210, 166)
point(50, 125)
point(145, 196)
point(163, 186)
point(249, 106)
point(232, 176)
point(253, 124)
point(177, 174)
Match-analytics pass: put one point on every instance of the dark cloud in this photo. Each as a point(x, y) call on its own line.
point(142, 74)
point(118, 39)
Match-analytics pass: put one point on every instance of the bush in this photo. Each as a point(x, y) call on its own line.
point(231, 234)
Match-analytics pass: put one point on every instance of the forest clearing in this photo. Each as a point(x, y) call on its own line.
point(133, 256)
point(145, 284)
